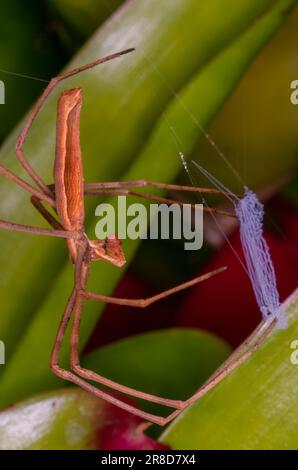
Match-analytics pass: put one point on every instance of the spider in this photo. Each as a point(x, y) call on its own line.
point(66, 197)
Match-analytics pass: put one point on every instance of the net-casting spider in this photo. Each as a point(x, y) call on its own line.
point(66, 197)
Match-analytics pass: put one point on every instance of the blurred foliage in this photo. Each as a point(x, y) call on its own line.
point(84, 16)
point(253, 408)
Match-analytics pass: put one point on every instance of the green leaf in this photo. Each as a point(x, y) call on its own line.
point(259, 400)
point(27, 368)
point(169, 363)
point(64, 419)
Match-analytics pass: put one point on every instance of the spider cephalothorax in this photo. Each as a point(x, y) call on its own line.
point(109, 249)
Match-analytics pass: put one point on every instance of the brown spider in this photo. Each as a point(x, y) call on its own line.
point(66, 197)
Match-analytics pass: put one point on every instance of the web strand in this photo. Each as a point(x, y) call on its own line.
point(21, 75)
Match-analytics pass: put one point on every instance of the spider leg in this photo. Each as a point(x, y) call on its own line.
point(67, 375)
point(90, 375)
point(71, 377)
point(23, 184)
point(77, 312)
point(142, 303)
point(36, 202)
point(152, 184)
point(37, 230)
point(236, 359)
point(58, 231)
point(23, 136)
point(150, 197)
point(82, 277)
